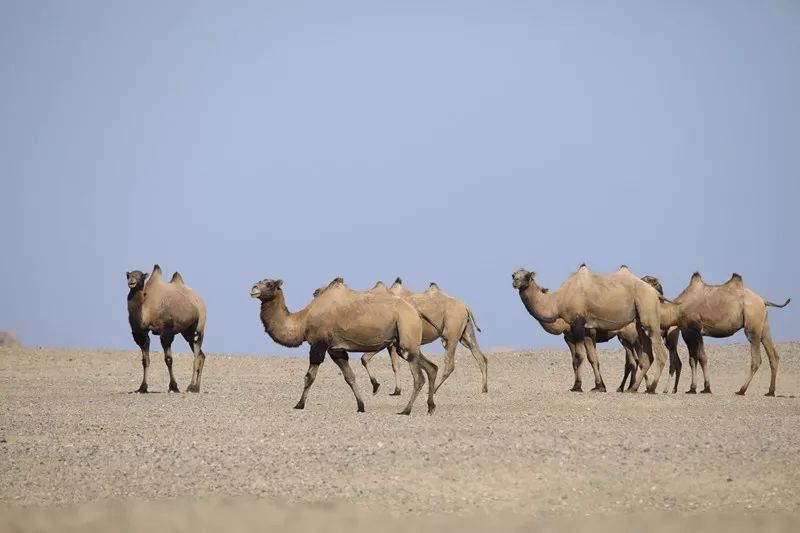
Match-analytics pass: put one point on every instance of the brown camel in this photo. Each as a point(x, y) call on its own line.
point(628, 337)
point(166, 309)
point(587, 300)
point(452, 321)
point(720, 311)
point(670, 319)
point(340, 320)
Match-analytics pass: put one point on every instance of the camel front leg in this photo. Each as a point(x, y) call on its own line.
point(645, 360)
point(450, 346)
point(142, 339)
point(630, 366)
point(419, 380)
point(577, 359)
point(365, 359)
point(316, 356)
point(591, 355)
point(660, 352)
point(675, 363)
point(430, 369)
point(341, 359)
point(166, 343)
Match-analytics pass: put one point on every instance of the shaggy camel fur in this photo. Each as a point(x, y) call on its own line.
point(452, 321)
point(587, 300)
point(628, 337)
point(720, 311)
point(340, 320)
point(166, 309)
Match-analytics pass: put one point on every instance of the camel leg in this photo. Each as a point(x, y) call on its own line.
point(471, 343)
point(315, 357)
point(450, 346)
point(660, 352)
point(630, 366)
point(702, 358)
point(577, 359)
point(430, 369)
point(692, 340)
point(675, 363)
point(395, 368)
point(645, 360)
point(755, 359)
point(591, 355)
point(166, 343)
point(143, 341)
point(419, 380)
point(365, 359)
point(772, 354)
point(199, 360)
point(341, 360)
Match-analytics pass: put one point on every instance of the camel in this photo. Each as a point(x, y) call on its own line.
point(452, 321)
point(670, 319)
point(340, 320)
point(166, 309)
point(628, 337)
point(587, 300)
point(720, 311)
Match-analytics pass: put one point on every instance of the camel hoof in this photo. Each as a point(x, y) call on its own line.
point(360, 408)
point(431, 409)
point(691, 391)
point(576, 389)
point(485, 390)
point(142, 389)
point(650, 391)
point(770, 394)
point(193, 388)
point(707, 390)
point(375, 387)
point(599, 388)
point(300, 405)
point(173, 387)
point(396, 392)
point(405, 412)
point(632, 391)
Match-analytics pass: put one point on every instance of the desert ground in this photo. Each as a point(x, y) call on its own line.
point(79, 452)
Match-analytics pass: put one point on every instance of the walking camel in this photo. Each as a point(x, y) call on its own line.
point(166, 309)
point(340, 320)
point(450, 320)
point(587, 300)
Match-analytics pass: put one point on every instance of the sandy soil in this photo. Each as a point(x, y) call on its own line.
point(78, 452)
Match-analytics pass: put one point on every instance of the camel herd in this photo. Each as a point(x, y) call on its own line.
point(588, 308)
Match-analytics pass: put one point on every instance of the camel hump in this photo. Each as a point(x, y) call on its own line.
point(697, 277)
point(336, 281)
point(583, 265)
point(398, 281)
point(623, 267)
point(433, 286)
point(177, 279)
point(735, 278)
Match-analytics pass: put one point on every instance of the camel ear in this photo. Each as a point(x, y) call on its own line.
point(144, 278)
point(278, 283)
point(531, 275)
point(127, 275)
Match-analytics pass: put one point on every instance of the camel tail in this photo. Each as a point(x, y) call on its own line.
point(662, 299)
point(472, 319)
point(771, 304)
point(429, 321)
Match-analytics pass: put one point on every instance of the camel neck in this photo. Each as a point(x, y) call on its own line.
point(285, 328)
point(539, 304)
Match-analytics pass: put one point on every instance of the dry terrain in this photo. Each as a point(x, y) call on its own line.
point(79, 452)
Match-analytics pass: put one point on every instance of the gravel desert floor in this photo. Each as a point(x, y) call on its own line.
point(78, 451)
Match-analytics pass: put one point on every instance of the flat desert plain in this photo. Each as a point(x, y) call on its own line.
point(79, 452)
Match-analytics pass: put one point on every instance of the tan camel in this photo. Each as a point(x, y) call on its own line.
point(587, 300)
point(452, 322)
point(340, 320)
point(720, 311)
point(166, 309)
point(670, 319)
point(628, 338)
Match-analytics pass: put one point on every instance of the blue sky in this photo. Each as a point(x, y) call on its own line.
point(440, 141)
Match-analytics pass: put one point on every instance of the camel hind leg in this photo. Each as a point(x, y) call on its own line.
point(341, 358)
point(450, 346)
point(365, 359)
point(675, 364)
point(166, 343)
point(591, 356)
point(577, 359)
point(418, 363)
point(195, 341)
point(471, 343)
point(772, 354)
point(142, 339)
point(630, 365)
point(395, 369)
point(645, 353)
point(755, 337)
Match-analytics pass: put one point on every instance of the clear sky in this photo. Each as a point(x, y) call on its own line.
point(440, 141)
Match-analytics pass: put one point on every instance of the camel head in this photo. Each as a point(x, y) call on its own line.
point(266, 289)
point(653, 282)
point(136, 279)
point(522, 279)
